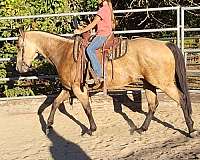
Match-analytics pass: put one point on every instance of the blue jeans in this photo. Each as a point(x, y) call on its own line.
point(96, 43)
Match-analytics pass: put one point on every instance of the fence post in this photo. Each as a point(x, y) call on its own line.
point(178, 38)
point(183, 34)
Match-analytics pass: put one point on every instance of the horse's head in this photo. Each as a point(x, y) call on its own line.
point(26, 53)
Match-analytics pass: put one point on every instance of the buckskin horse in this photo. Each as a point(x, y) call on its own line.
point(160, 64)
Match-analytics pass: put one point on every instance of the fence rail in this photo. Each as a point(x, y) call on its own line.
point(92, 13)
point(30, 78)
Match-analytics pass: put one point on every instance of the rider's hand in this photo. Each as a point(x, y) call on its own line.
point(77, 31)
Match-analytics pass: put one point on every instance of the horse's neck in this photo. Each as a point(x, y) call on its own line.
point(52, 48)
point(49, 51)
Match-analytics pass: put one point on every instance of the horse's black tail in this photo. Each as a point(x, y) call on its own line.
point(180, 75)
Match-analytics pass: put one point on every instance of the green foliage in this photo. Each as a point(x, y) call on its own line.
point(2, 73)
point(41, 66)
point(17, 91)
point(89, 5)
point(8, 48)
point(10, 28)
point(158, 19)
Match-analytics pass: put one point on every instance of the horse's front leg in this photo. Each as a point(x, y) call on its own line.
point(84, 99)
point(61, 97)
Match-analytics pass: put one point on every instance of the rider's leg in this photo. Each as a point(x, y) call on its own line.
point(96, 43)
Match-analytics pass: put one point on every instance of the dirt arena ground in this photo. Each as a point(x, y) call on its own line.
point(22, 131)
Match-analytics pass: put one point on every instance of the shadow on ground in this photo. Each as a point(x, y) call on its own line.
point(119, 101)
point(61, 148)
point(135, 105)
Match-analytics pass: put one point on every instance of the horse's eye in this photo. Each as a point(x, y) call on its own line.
point(17, 45)
point(18, 48)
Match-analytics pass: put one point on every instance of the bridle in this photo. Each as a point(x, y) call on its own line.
point(22, 52)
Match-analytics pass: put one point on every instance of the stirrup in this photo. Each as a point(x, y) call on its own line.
point(99, 84)
point(90, 81)
point(93, 81)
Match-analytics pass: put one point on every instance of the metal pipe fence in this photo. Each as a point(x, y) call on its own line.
point(179, 29)
point(184, 29)
point(92, 13)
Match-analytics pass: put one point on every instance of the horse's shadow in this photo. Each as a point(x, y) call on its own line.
point(135, 105)
point(61, 148)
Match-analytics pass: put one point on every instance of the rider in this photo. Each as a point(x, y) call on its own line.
point(103, 20)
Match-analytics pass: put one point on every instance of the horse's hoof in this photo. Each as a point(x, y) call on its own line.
point(49, 123)
point(140, 130)
point(85, 130)
point(88, 131)
point(93, 129)
point(48, 129)
point(194, 134)
point(132, 130)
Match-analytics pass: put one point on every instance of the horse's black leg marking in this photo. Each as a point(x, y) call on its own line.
point(146, 123)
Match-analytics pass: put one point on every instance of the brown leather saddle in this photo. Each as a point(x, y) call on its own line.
point(113, 48)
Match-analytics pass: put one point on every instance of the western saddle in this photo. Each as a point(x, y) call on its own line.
point(113, 48)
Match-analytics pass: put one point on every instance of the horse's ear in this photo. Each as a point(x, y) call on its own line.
point(21, 31)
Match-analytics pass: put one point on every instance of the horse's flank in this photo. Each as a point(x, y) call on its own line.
point(143, 61)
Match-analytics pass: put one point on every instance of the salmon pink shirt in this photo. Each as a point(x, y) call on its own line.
point(104, 27)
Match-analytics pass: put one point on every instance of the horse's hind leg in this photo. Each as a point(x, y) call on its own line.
point(61, 97)
point(173, 92)
point(151, 95)
point(84, 99)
